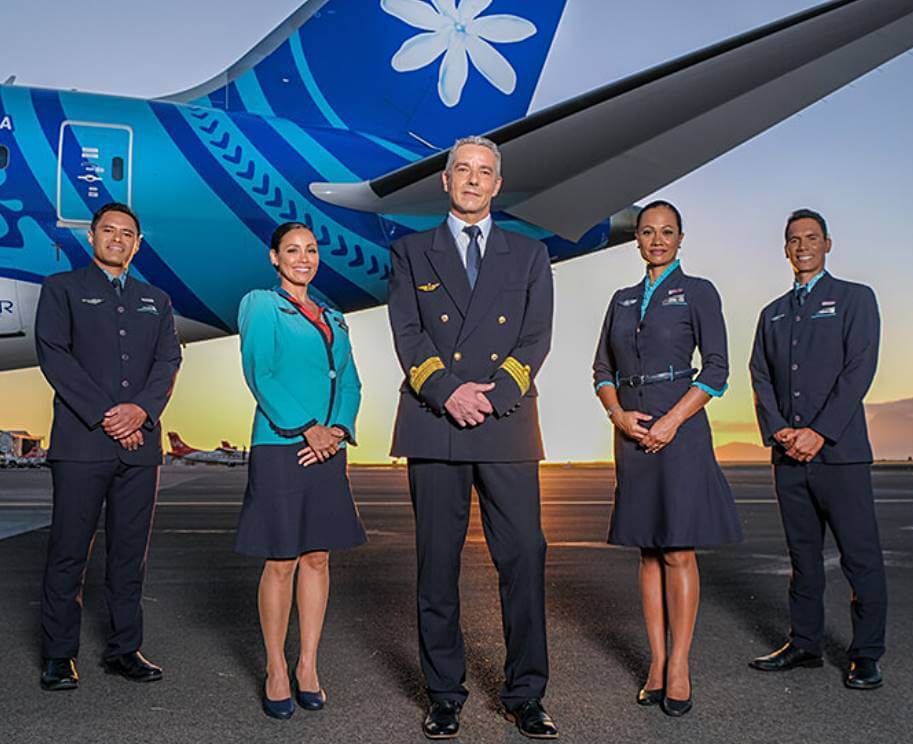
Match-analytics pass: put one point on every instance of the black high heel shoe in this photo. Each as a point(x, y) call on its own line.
point(650, 697)
point(281, 709)
point(678, 708)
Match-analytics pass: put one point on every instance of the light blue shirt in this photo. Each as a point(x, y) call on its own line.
point(122, 279)
point(456, 226)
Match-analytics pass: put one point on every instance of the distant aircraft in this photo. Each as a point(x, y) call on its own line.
point(341, 118)
point(221, 456)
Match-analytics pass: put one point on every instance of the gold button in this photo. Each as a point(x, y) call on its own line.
point(494, 357)
point(501, 320)
point(457, 356)
point(445, 318)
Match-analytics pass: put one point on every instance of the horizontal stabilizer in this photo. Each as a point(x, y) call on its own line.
point(569, 165)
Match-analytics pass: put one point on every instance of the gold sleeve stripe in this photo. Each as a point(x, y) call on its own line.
point(520, 373)
point(419, 375)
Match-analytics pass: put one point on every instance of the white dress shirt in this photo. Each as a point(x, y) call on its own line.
point(456, 226)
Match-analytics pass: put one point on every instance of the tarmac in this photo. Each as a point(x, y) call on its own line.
point(201, 626)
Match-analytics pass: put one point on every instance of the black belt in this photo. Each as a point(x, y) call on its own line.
point(668, 376)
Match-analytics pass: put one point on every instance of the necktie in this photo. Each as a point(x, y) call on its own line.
point(801, 294)
point(116, 284)
point(473, 254)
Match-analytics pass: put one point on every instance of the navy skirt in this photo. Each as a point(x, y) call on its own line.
point(676, 498)
point(289, 509)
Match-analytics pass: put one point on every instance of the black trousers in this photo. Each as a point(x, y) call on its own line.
point(812, 496)
point(80, 489)
point(509, 499)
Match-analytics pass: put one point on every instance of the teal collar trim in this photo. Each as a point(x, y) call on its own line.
point(650, 288)
point(810, 285)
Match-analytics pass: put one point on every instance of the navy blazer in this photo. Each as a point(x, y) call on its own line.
point(651, 332)
point(446, 334)
point(811, 366)
point(98, 350)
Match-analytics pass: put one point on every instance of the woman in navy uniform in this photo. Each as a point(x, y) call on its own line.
point(670, 493)
point(298, 506)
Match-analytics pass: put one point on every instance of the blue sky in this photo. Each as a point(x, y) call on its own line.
point(850, 156)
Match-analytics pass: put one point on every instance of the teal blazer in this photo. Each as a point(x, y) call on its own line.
point(296, 377)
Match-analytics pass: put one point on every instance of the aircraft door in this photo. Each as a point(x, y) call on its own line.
point(94, 166)
point(10, 309)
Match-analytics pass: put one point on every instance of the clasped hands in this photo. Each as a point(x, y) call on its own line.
point(322, 443)
point(651, 440)
point(800, 444)
point(468, 405)
point(122, 423)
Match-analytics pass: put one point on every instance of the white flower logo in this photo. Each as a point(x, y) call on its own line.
point(455, 33)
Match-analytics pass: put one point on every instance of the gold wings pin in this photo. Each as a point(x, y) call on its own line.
point(429, 287)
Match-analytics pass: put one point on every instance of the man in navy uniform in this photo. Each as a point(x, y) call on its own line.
point(107, 345)
point(814, 358)
point(471, 311)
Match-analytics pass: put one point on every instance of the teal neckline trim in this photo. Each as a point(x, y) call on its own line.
point(810, 284)
point(649, 288)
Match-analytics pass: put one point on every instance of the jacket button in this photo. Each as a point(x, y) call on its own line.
point(796, 393)
point(120, 308)
point(445, 318)
point(798, 318)
point(122, 332)
point(797, 418)
point(125, 384)
point(494, 357)
point(125, 357)
point(795, 342)
point(501, 320)
point(794, 367)
point(332, 374)
point(457, 356)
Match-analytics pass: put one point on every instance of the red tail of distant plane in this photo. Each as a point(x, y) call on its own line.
point(178, 446)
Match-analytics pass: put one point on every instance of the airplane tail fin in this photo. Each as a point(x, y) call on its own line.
point(425, 70)
point(178, 446)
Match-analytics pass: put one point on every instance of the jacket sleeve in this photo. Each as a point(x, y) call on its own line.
point(710, 334)
point(257, 328)
point(604, 364)
point(516, 373)
point(860, 342)
point(770, 420)
point(349, 398)
point(428, 377)
point(165, 364)
point(66, 375)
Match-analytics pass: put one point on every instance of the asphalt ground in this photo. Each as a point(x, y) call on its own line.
point(201, 626)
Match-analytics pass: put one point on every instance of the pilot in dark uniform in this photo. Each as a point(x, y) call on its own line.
point(471, 312)
point(106, 343)
point(814, 358)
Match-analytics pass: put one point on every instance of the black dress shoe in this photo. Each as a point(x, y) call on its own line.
point(133, 666)
point(650, 697)
point(863, 674)
point(786, 657)
point(59, 674)
point(281, 709)
point(443, 719)
point(532, 720)
point(678, 708)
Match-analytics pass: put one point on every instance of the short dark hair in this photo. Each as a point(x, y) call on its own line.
point(659, 203)
point(115, 207)
point(284, 229)
point(805, 214)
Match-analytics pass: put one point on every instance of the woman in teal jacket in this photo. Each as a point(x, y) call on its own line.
point(298, 506)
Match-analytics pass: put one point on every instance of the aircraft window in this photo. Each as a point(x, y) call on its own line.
point(117, 169)
point(4, 156)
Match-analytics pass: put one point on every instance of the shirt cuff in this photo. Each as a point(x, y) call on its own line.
point(712, 392)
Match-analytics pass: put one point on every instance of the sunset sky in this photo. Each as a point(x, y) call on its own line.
point(849, 156)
